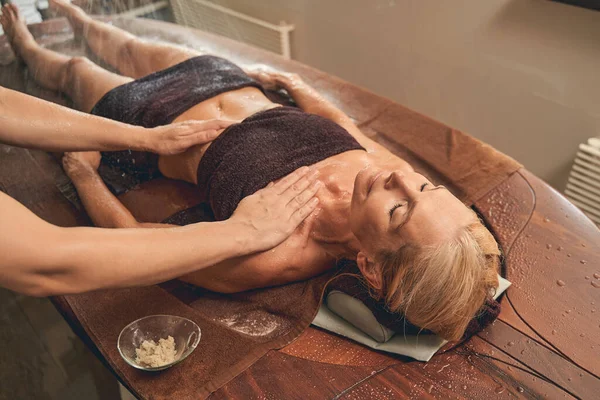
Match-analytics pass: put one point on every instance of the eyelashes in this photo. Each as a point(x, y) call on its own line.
point(423, 186)
point(394, 209)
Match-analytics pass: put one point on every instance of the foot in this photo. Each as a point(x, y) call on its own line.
point(15, 28)
point(76, 16)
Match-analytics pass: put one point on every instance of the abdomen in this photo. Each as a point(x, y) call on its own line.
point(235, 106)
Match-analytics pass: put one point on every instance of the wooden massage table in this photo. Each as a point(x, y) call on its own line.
point(546, 343)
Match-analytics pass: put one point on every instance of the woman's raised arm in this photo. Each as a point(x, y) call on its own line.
point(311, 101)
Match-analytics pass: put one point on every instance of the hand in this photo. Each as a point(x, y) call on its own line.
point(79, 163)
point(274, 80)
point(272, 214)
point(177, 138)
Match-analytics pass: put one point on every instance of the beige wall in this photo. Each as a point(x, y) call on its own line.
point(522, 75)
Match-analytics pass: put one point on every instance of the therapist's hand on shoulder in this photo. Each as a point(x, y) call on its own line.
point(178, 137)
point(274, 212)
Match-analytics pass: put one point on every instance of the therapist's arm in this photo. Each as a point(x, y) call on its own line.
point(41, 259)
point(26, 121)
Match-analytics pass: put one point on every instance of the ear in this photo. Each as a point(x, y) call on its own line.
point(369, 269)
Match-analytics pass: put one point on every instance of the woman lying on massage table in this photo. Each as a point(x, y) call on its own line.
point(418, 247)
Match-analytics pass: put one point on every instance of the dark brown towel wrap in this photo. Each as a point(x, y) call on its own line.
point(159, 98)
point(156, 100)
point(265, 147)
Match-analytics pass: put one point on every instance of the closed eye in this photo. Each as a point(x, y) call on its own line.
point(394, 209)
point(423, 186)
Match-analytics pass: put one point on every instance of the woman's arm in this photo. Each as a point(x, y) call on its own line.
point(26, 121)
point(41, 259)
point(105, 210)
point(309, 100)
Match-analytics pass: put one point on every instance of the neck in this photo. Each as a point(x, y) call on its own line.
point(332, 229)
point(346, 249)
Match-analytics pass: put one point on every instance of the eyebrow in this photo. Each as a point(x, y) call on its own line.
point(411, 210)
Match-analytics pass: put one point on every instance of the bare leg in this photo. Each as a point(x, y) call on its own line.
point(127, 53)
point(80, 79)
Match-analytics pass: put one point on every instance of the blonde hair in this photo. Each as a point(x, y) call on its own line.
point(441, 288)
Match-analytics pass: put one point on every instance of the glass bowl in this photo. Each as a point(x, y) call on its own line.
point(154, 327)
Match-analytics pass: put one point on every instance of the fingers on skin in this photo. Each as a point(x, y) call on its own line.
point(289, 180)
point(205, 136)
point(200, 132)
point(301, 191)
point(210, 124)
point(307, 195)
point(303, 212)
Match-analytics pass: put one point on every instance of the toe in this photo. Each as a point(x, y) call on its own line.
point(16, 11)
point(8, 11)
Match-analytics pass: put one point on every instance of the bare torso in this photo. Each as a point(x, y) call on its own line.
point(235, 106)
point(317, 242)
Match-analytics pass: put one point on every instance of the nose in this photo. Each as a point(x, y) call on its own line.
point(397, 180)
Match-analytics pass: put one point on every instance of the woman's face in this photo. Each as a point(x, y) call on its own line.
point(392, 208)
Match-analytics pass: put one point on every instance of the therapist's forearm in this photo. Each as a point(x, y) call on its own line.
point(88, 259)
point(26, 121)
